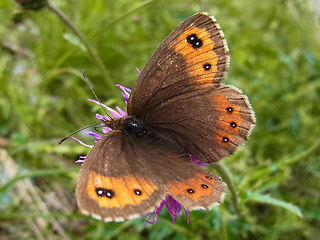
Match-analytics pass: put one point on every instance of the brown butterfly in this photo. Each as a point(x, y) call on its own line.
point(178, 107)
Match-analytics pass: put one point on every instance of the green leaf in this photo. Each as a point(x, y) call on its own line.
point(265, 199)
point(74, 40)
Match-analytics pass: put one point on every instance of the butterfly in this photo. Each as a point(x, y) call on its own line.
point(178, 108)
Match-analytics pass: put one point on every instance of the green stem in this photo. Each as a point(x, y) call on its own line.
point(123, 15)
point(224, 225)
point(226, 176)
point(302, 155)
point(92, 52)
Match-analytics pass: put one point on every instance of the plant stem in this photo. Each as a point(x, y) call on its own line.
point(92, 52)
point(227, 178)
point(304, 154)
point(121, 16)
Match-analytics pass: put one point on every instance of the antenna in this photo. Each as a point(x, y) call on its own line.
point(95, 95)
point(70, 134)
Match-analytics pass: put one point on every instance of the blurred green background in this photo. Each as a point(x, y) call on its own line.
point(274, 179)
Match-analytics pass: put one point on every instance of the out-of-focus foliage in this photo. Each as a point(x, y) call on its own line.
point(275, 60)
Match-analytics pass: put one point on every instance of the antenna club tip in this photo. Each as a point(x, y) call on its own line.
point(84, 74)
point(62, 140)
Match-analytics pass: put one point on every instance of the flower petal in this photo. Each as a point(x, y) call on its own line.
point(81, 159)
point(174, 208)
point(123, 113)
point(113, 112)
point(96, 135)
point(82, 143)
point(196, 161)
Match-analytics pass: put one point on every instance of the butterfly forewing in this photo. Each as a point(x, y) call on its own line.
point(179, 66)
point(179, 92)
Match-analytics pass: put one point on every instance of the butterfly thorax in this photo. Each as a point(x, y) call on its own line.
point(129, 123)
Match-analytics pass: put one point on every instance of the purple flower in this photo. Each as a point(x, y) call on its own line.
point(174, 208)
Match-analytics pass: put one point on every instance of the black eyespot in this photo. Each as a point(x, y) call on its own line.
point(229, 109)
point(204, 186)
point(210, 178)
point(109, 193)
point(189, 190)
point(137, 192)
point(206, 66)
point(233, 124)
point(225, 139)
point(100, 191)
point(194, 41)
point(103, 192)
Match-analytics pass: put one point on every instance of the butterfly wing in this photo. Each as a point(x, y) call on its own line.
point(125, 177)
point(179, 93)
point(177, 67)
point(112, 186)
